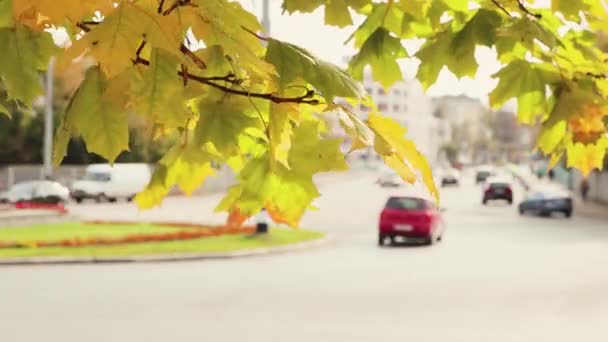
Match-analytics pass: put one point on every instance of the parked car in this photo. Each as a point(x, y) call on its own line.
point(482, 175)
point(497, 189)
point(546, 201)
point(389, 179)
point(43, 191)
point(106, 182)
point(410, 218)
point(450, 177)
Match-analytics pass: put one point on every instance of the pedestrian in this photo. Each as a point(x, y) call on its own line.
point(584, 189)
point(261, 222)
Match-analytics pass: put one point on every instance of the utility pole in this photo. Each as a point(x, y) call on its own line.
point(266, 16)
point(47, 150)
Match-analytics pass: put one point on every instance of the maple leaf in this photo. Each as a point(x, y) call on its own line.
point(222, 120)
point(587, 157)
point(184, 166)
point(528, 83)
point(25, 54)
point(399, 152)
point(159, 93)
point(293, 62)
point(381, 52)
point(95, 116)
point(4, 110)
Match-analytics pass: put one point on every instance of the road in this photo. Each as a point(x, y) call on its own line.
point(496, 277)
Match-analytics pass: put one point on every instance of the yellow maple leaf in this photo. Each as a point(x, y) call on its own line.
point(39, 13)
point(587, 157)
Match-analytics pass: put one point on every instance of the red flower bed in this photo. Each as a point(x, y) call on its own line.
point(45, 206)
point(195, 232)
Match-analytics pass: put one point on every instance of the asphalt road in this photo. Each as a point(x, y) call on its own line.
point(496, 277)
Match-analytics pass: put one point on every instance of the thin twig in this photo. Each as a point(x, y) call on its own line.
point(177, 4)
point(498, 4)
point(160, 6)
point(185, 73)
point(83, 27)
point(527, 11)
point(199, 62)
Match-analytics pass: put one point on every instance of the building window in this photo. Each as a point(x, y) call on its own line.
point(396, 91)
point(396, 108)
point(368, 90)
point(363, 108)
point(382, 107)
point(381, 91)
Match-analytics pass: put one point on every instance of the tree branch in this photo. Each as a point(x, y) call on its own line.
point(177, 4)
point(307, 98)
point(199, 62)
point(524, 9)
point(501, 7)
point(160, 6)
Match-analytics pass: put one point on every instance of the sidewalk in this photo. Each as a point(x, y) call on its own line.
point(588, 209)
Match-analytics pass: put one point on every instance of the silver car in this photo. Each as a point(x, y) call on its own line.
point(38, 191)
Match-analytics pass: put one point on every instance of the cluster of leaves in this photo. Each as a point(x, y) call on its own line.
point(201, 70)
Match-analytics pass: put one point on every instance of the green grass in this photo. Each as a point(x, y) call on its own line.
point(226, 243)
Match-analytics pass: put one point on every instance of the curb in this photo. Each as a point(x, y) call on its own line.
point(325, 240)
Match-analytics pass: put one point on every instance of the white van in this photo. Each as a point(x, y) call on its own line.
point(106, 182)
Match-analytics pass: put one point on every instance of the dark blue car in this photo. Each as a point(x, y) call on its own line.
point(547, 201)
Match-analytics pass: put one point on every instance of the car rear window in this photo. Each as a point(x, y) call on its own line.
point(406, 203)
point(499, 185)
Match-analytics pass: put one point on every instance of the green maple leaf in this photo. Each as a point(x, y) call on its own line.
point(4, 110)
point(285, 194)
point(434, 55)
point(304, 6)
point(380, 51)
point(293, 62)
point(337, 13)
point(6, 14)
point(571, 10)
point(159, 93)
point(379, 17)
point(25, 53)
point(95, 116)
point(223, 118)
point(527, 82)
point(480, 30)
point(310, 154)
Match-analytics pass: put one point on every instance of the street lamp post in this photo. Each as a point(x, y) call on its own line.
point(266, 16)
point(47, 150)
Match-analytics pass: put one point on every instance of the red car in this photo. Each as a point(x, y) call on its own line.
point(410, 218)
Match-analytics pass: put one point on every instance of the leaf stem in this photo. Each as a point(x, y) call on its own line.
point(255, 34)
point(501, 7)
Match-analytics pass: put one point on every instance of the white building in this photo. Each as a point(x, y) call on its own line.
point(407, 103)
